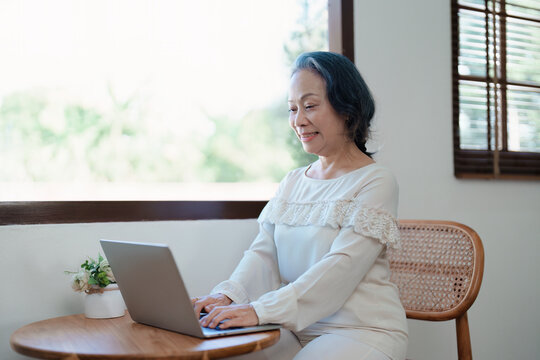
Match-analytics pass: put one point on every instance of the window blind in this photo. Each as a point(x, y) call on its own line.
point(496, 88)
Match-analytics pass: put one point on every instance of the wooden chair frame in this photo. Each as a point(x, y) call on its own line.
point(431, 234)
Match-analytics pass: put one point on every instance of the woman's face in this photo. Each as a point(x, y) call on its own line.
point(316, 124)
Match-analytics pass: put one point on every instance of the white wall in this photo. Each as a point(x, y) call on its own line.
point(403, 51)
point(33, 259)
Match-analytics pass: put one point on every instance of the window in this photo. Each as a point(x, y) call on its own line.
point(308, 26)
point(496, 88)
point(146, 100)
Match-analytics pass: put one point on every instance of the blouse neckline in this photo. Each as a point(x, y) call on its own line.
point(305, 176)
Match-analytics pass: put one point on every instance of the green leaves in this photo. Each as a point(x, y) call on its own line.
point(97, 275)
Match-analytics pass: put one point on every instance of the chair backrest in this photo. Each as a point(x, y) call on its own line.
point(438, 271)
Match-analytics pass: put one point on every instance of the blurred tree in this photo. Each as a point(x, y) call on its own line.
point(261, 146)
point(50, 136)
point(310, 34)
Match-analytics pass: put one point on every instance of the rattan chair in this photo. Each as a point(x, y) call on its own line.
point(438, 271)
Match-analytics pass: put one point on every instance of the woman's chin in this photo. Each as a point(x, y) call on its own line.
point(309, 149)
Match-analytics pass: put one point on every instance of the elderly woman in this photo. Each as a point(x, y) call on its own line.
point(318, 265)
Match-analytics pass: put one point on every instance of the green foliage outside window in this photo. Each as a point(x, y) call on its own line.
point(49, 137)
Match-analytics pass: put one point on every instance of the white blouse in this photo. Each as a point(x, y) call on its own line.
point(319, 265)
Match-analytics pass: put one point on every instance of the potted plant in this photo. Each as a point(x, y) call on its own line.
point(102, 298)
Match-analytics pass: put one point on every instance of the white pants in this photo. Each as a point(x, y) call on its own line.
point(324, 347)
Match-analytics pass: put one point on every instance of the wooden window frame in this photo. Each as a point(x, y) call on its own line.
point(490, 163)
point(341, 40)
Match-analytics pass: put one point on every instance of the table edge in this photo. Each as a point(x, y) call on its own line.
point(205, 354)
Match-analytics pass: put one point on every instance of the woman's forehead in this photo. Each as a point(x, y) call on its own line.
point(306, 83)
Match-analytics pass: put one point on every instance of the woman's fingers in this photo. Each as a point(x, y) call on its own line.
point(230, 316)
point(201, 303)
point(205, 321)
point(224, 317)
point(208, 302)
point(236, 322)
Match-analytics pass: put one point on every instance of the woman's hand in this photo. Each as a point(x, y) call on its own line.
point(209, 302)
point(232, 316)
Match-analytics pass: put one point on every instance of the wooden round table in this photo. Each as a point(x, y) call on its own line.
point(76, 337)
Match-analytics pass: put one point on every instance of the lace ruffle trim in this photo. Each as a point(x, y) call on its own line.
point(372, 222)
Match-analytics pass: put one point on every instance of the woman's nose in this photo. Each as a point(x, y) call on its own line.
point(300, 119)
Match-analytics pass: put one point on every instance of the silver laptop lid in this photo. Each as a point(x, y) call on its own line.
point(151, 286)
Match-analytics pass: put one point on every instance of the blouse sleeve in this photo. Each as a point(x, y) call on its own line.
point(324, 288)
point(257, 273)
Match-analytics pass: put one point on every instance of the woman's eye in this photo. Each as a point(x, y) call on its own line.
point(309, 107)
point(292, 110)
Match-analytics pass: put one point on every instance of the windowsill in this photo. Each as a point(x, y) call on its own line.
point(498, 177)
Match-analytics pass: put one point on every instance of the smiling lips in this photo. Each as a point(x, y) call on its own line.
point(306, 137)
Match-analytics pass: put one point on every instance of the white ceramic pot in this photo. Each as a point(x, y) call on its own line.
point(106, 304)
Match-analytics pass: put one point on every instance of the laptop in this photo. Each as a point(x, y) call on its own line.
point(154, 291)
